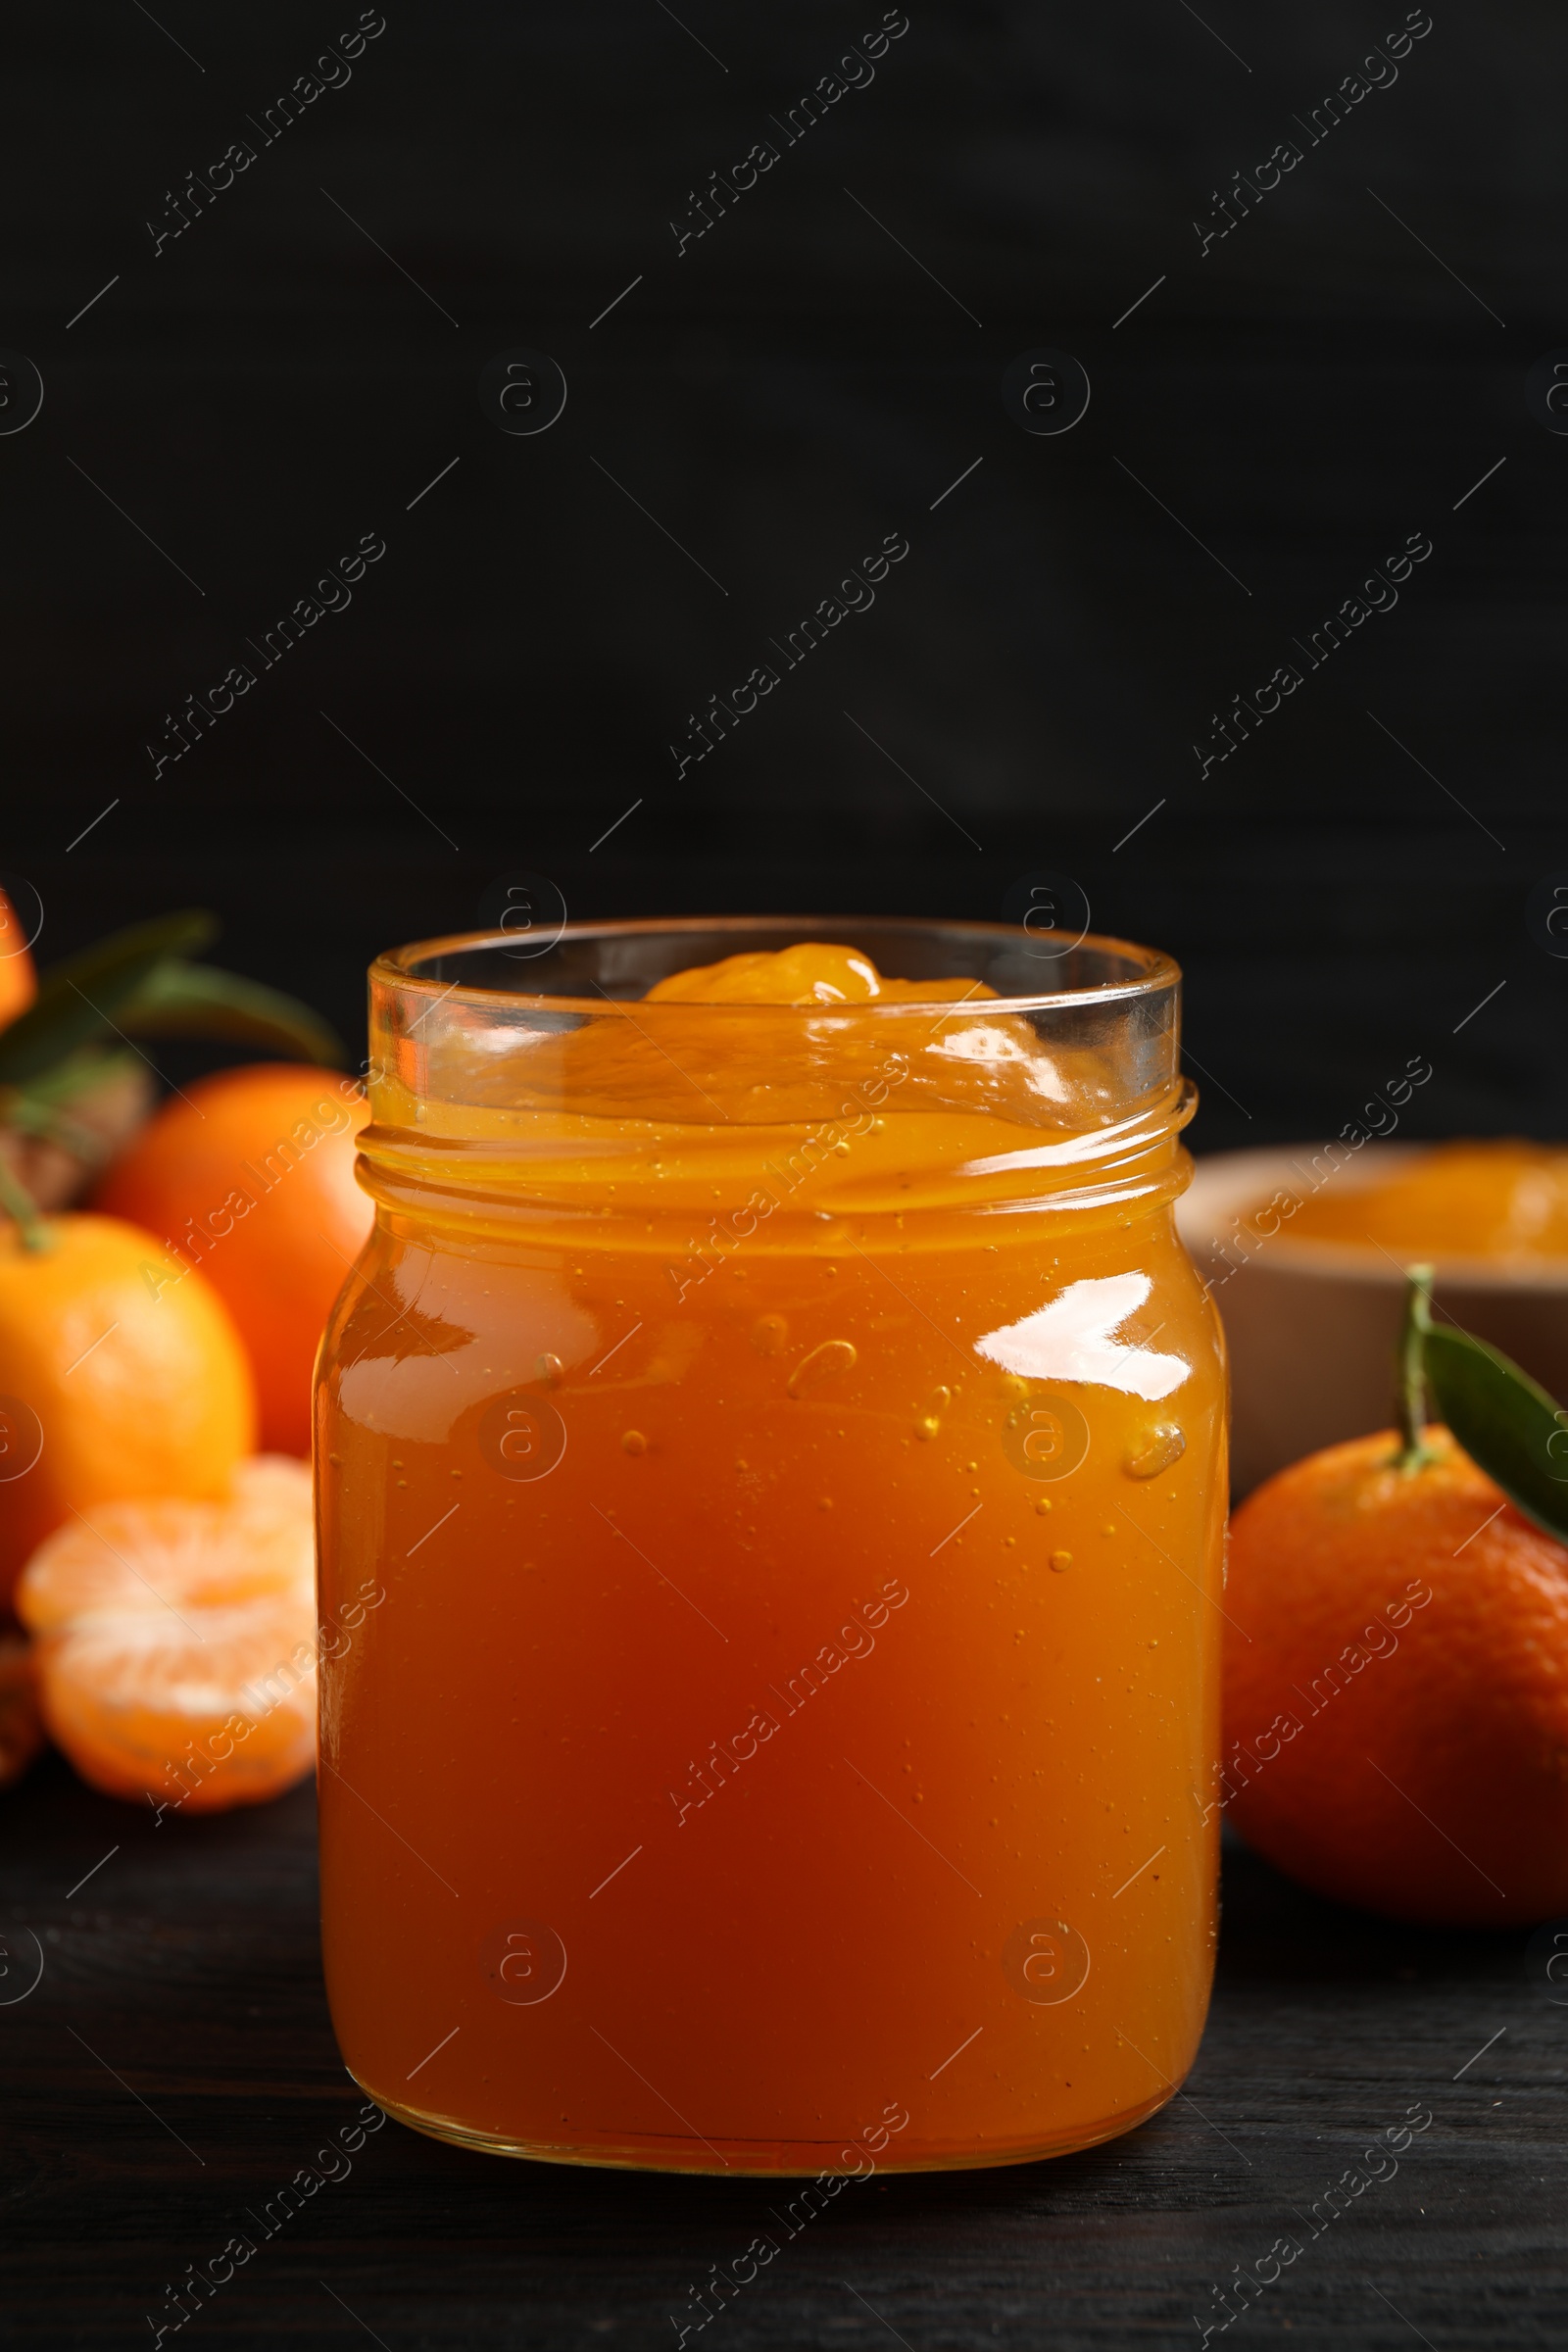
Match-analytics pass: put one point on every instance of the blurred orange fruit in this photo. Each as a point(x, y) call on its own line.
point(250, 1176)
point(176, 1642)
point(108, 1386)
point(19, 981)
point(1396, 1686)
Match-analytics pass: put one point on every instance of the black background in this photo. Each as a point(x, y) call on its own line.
point(794, 385)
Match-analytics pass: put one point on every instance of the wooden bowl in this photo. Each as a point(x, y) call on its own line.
point(1312, 1326)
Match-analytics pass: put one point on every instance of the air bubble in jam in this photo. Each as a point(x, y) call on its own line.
point(1154, 1450)
point(768, 1334)
point(823, 1363)
point(929, 1422)
point(633, 1441)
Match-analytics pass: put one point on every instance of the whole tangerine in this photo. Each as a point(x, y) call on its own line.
point(249, 1175)
point(1396, 1686)
point(107, 1388)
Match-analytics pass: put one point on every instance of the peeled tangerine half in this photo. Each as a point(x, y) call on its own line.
point(175, 1649)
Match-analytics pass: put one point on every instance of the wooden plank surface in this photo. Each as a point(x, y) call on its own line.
point(173, 2067)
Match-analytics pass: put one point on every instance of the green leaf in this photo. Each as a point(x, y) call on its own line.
point(197, 999)
point(81, 1073)
point(80, 1001)
point(1506, 1423)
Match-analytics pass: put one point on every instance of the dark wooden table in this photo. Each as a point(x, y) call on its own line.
point(173, 2067)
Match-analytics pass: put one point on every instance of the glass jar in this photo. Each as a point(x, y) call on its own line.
point(771, 1472)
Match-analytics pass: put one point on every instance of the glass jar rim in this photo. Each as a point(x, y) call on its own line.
point(1149, 971)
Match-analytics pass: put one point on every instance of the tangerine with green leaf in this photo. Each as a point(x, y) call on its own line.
point(1396, 1654)
point(74, 1085)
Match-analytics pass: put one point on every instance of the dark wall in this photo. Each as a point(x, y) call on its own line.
point(1282, 413)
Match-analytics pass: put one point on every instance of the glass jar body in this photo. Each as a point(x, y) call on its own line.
point(770, 1701)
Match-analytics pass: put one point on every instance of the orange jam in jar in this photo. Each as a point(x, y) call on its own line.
point(790, 1440)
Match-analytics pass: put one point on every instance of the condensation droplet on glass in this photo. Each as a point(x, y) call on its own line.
point(768, 1334)
point(1155, 1450)
point(928, 1423)
point(1061, 1561)
point(633, 1441)
point(550, 1369)
point(823, 1363)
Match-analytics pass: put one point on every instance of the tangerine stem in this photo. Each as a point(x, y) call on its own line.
point(17, 1202)
point(1413, 1453)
